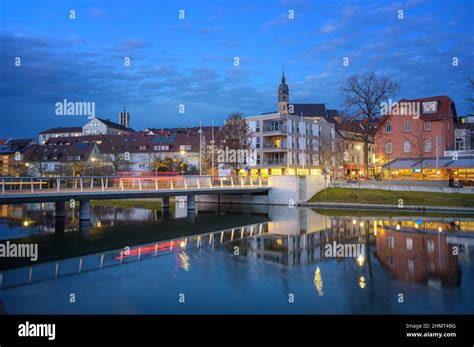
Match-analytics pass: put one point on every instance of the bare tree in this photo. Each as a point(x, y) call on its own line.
point(117, 159)
point(470, 88)
point(363, 97)
point(236, 136)
point(417, 138)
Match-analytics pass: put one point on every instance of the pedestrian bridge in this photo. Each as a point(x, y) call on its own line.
point(19, 190)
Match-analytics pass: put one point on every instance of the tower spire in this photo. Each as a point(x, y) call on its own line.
point(283, 94)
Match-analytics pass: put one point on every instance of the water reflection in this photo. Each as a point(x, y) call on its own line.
point(265, 250)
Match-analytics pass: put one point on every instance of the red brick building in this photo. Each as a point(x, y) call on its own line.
point(412, 127)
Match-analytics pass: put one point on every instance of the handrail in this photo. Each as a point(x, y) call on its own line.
point(121, 183)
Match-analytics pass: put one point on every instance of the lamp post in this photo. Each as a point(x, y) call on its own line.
point(358, 161)
point(93, 160)
point(183, 153)
point(200, 149)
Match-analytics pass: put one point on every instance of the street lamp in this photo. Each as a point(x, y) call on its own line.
point(358, 160)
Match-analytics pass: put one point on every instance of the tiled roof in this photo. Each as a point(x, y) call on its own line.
point(59, 130)
point(60, 153)
point(114, 125)
point(445, 104)
point(308, 110)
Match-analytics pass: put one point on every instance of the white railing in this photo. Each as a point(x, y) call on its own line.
point(15, 277)
point(10, 185)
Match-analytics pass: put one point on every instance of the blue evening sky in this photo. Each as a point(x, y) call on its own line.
point(191, 61)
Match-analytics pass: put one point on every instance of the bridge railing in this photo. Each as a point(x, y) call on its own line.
point(117, 183)
point(11, 278)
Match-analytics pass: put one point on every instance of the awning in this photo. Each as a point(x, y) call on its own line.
point(461, 163)
point(429, 163)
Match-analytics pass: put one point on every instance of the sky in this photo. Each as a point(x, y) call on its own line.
point(191, 61)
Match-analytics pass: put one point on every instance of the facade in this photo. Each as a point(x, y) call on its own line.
point(140, 150)
point(95, 126)
point(353, 150)
point(405, 134)
point(98, 126)
point(12, 153)
point(297, 139)
point(463, 137)
point(44, 136)
point(50, 160)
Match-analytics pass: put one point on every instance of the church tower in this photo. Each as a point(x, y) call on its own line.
point(283, 95)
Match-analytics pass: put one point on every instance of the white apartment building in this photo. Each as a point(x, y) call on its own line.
point(298, 139)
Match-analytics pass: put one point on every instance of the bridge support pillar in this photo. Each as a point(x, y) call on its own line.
point(60, 217)
point(191, 215)
point(166, 208)
point(84, 218)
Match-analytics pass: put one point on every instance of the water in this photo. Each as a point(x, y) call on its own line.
point(241, 259)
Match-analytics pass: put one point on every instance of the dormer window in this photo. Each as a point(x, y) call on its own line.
point(430, 107)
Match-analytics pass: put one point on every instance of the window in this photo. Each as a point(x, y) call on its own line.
point(428, 147)
point(411, 266)
point(391, 242)
point(459, 143)
point(409, 244)
point(388, 148)
point(391, 260)
point(407, 127)
point(142, 148)
point(257, 142)
point(427, 125)
point(388, 128)
point(257, 126)
point(406, 147)
point(258, 159)
point(430, 246)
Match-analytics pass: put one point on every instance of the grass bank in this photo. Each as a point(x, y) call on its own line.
point(147, 204)
point(378, 196)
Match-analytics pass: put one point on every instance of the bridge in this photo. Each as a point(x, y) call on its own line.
point(20, 190)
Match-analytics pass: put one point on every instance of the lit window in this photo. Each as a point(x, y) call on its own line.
point(409, 244)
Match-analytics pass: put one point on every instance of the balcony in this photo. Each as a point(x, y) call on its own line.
point(274, 130)
point(281, 161)
point(271, 147)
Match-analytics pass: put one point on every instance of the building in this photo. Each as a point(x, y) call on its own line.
point(297, 139)
point(463, 136)
point(11, 156)
point(353, 157)
point(140, 150)
point(99, 126)
point(45, 135)
point(51, 160)
point(95, 126)
point(416, 129)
